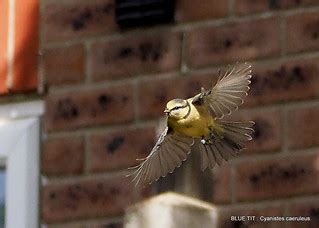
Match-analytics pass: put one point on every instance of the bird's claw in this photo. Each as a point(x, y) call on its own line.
point(206, 141)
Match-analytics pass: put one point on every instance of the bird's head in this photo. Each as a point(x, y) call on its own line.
point(177, 108)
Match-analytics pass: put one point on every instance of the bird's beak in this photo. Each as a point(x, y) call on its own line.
point(166, 111)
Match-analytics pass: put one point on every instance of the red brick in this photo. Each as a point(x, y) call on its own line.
point(120, 148)
point(132, 55)
point(159, 91)
point(69, 225)
point(251, 210)
point(89, 107)
point(154, 94)
point(271, 83)
point(267, 135)
point(63, 156)
point(205, 9)
point(303, 32)
point(302, 130)
point(86, 199)
point(64, 65)
point(221, 189)
point(305, 208)
point(277, 177)
point(233, 42)
point(284, 81)
point(73, 19)
point(254, 6)
point(106, 225)
point(195, 81)
point(211, 185)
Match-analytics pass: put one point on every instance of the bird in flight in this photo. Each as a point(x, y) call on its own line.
point(199, 121)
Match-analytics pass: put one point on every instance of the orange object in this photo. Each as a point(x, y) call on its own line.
point(3, 44)
point(19, 39)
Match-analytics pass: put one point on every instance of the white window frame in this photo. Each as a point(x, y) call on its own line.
point(19, 150)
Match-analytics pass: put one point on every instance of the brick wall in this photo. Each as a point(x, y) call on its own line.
point(106, 89)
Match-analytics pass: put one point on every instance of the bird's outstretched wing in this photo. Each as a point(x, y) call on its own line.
point(168, 153)
point(228, 93)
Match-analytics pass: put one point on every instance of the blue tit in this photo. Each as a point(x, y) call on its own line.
point(199, 120)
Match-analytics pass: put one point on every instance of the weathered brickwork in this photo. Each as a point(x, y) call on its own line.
point(106, 88)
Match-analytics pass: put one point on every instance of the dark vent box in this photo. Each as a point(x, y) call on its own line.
point(135, 13)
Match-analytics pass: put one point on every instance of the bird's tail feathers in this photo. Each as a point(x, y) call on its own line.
point(226, 140)
point(235, 134)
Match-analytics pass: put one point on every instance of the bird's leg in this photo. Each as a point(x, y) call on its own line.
point(213, 137)
point(205, 141)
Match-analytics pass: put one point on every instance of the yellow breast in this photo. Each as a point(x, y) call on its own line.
point(196, 124)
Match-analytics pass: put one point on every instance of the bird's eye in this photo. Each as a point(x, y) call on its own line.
point(177, 107)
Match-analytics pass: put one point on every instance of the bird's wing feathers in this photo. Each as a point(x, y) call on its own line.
point(168, 153)
point(228, 93)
